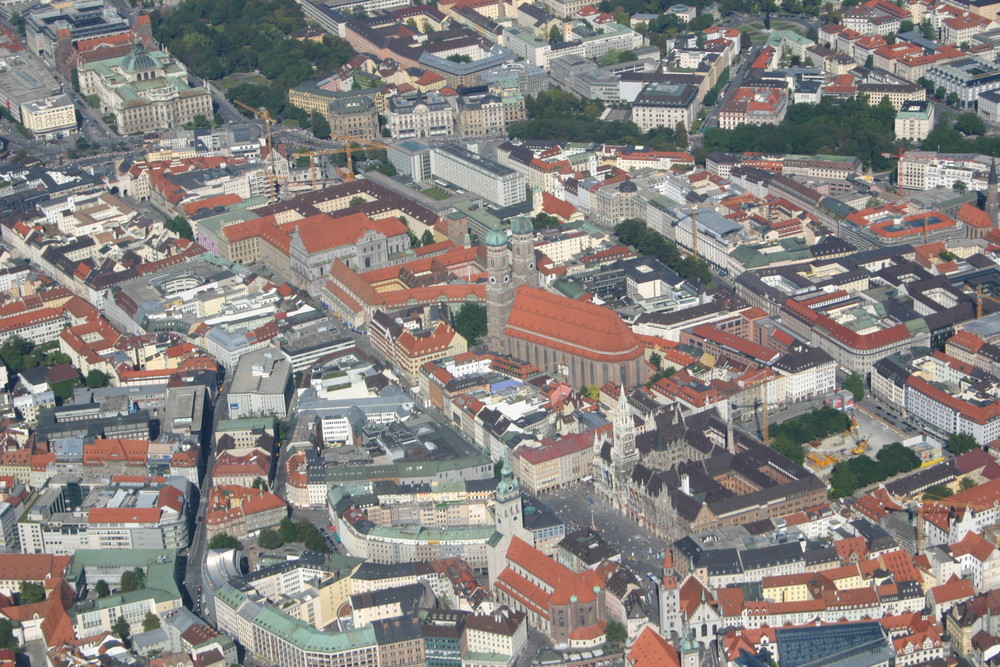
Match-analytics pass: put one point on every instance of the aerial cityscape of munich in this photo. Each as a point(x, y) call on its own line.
point(500, 333)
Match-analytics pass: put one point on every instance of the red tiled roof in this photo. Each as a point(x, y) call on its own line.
point(123, 515)
point(577, 327)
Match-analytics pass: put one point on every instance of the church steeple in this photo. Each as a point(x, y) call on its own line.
point(499, 290)
point(991, 195)
point(524, 271)
point(624, 454)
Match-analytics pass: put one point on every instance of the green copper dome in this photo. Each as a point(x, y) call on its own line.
point(496, 238)
point(138, 60)
point(521, 225)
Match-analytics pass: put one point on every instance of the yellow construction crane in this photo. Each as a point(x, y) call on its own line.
point(367, 143)
point(980, 295)
point(272, 173)
point(765, 425)
point(312, 162)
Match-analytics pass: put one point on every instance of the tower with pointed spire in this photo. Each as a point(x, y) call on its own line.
point(624, 453)
point(991, 194)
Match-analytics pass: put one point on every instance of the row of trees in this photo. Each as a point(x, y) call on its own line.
point(290, 531)
point(635, 233)
point(557, 114)
point(815, 425)
point(20, 355)
point(851, 475)
point(832, 127)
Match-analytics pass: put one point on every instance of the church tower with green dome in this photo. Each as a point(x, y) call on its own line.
point(499, 290)
point(524, 271)
point(506, 518)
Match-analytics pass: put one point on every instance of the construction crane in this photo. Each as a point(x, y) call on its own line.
point(860, 444)
point(272, 172)
point(765, 424)
point(368, 143)
point(312, 163)
point(980, 295)
point(694, 227)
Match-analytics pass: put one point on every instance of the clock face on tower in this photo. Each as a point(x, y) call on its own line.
point(510, 487)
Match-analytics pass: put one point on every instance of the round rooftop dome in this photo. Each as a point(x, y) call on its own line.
point(496, 238)
point(521, 225)
point(628, 186)
point(138, 60)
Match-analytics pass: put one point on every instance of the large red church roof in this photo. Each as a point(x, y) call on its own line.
point(577, 327)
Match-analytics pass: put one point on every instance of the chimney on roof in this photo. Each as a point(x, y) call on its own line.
point(686, 484)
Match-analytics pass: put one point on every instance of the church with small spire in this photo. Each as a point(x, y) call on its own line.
point(572, 338)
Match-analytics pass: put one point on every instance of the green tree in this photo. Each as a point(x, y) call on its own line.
point(927, 28)
point(959, 443)
point(959, 186)
point(411, 23)
point(16, 354)
point(937, 492)
point(967, 483)
point(544, 221)
point(287, 531)
point(656, 359)
point(269, 539)
point(970, 123)
point(121, 628)
point(356, 201)
point(224, 541)
point(870, 61)
point(17, 21)
point(32, 592)
point(470, 322)
point(259, 484)
point(320, 126)
point(178, 225)
point(591, 391)
point(7, 640)
point(498, 469)
point(784, 445)
point(96, 379)
point(310, 536)
point(616, 633)
point(951, 99)
point(906, 25)
point(151, 622)
point(132, 581)
point(555, 35)
point(101, 589)
point(427, 238)
point(681, 134)
point(842, 480)
point(856, 385)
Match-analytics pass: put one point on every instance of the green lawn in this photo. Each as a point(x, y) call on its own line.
point(436, 193)
point(782, 25)
point(235, 81)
